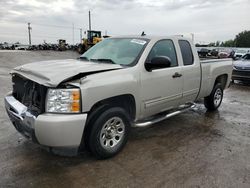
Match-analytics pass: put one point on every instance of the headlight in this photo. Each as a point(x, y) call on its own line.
point(63, 101)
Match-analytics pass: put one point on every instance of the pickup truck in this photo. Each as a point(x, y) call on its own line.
point(91, 103)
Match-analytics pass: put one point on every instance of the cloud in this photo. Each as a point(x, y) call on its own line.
point(209, 20)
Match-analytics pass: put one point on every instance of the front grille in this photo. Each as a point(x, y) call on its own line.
point(241, 73)
point(29, 93)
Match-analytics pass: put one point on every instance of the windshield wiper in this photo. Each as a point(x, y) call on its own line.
point(104, 60)
point(83, 57)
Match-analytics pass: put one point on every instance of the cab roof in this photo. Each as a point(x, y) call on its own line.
point(150, 37)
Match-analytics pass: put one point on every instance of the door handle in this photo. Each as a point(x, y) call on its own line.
point(176, 75)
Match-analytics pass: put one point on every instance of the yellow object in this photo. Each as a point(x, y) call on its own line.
point(76, 95)
point(75, 105)
point(93, 37)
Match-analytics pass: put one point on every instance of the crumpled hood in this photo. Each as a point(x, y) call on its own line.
point(52, 73)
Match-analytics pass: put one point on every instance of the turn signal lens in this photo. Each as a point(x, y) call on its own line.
point(76, 95)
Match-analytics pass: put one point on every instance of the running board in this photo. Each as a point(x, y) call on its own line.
point(181, 109)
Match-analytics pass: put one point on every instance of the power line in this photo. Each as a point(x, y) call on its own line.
point(58, 26)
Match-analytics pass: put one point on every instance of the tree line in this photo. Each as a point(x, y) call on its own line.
point(242, 39)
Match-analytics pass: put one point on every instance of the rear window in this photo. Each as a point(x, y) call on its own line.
point(186, 51)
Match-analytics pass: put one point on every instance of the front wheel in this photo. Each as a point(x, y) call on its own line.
point(109, 133)
point(213, 101)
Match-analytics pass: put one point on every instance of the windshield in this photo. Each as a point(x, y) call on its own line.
point(123, 51)
point(246, 57)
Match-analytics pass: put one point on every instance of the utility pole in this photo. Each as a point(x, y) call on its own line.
point(29, 28)
point(73, 33)
point(80, 35)
point(192, 34)
point(89, 21)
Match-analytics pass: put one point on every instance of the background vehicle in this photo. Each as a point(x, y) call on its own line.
point(62, 44)
point(203, 52)
point(224, 53)
point(214, 52)
point(93, 37)
point(239, 53)
point(22, 47)
point(121, 82)
point(241, 69)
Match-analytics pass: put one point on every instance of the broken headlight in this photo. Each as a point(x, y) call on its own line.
point(63, 101)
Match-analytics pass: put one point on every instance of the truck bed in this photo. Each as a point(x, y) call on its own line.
point(210, 70)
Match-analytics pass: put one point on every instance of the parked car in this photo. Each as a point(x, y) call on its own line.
point(224, 53)
point(239, 53)
point(119, 83)
point(214, 52)
point(241, 69)
point(203, 52)
point(22, 47)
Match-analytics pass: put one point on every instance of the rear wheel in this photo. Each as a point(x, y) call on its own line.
point(213, 101)
point(109, 133)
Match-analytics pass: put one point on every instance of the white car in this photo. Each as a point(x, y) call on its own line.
point(119, 83)
point(240, 53)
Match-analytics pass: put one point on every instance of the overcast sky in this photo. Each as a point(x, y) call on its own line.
point(209, 20)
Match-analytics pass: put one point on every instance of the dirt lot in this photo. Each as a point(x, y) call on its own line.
point(194, 149)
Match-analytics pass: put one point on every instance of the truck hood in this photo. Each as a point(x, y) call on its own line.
point(52, 73)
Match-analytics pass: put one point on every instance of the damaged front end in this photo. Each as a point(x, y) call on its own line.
point(29, 93)
point(24, 104)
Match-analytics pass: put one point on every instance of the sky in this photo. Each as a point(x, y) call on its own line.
point(208, 20)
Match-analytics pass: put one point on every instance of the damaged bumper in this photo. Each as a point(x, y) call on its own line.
point(52, 130)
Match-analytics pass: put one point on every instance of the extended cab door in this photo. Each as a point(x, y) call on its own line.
point(161, 89)
point(191, 72)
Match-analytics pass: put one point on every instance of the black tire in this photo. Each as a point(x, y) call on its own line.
point(84, 146)
point(213, 101)
point(81, 49)
point(100, 146)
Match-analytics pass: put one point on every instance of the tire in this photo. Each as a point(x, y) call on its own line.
point(213, 101)
point(81, 49)
point(109, 133)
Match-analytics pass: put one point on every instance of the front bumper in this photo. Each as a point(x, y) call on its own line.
point(52, 130)
point(241, 75)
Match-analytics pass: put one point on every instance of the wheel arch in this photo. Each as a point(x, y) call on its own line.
point(126, 101)
point(222, 79)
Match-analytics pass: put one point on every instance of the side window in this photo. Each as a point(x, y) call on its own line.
point(164, 48)
point(186, 51)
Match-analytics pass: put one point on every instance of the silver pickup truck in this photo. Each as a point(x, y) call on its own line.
point(122, 82)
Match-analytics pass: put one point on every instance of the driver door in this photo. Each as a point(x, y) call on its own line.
point(161, 90)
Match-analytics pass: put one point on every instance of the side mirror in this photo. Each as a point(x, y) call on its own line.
point(158, 63)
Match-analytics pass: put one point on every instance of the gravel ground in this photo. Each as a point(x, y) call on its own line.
point(194, 149)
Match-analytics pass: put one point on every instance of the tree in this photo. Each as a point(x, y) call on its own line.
point(211, 44)
point(228, 43)
point(243, 39)
point(217, 43)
